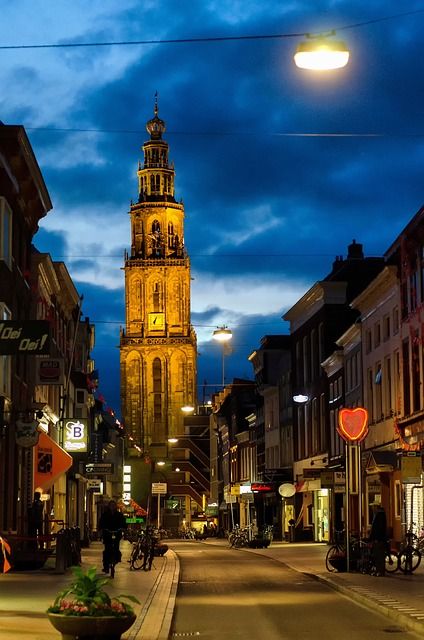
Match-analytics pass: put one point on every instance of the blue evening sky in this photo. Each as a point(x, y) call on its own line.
point(266, 211)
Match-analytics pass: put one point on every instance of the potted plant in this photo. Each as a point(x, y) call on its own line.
point(85, 610)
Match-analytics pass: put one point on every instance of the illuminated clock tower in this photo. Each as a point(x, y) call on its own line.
point(158, 346)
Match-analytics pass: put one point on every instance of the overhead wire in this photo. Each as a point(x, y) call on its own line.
point(206, 39)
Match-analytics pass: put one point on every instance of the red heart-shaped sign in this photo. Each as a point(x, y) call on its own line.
point(353, 424)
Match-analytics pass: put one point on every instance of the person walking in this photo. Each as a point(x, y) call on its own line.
point(378, 538)
point(35, 521)
point(111, 520)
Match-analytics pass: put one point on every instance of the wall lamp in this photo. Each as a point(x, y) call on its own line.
point(318, 53)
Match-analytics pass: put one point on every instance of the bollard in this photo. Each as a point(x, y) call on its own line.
point(60, 564)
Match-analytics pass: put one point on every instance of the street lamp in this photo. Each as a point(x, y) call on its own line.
point(223, 335)
point(318, 53)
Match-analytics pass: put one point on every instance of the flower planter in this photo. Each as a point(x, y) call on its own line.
point(91, 627)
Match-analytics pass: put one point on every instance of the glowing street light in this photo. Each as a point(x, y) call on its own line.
point(223, 335)
point(318, 53)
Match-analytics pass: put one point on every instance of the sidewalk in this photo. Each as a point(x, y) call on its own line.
point(25, 596)
point(400, 597)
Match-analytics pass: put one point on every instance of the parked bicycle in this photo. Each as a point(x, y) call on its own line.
point(143, 550)
point(239, 537)
point(409, 554)
point(360, 556)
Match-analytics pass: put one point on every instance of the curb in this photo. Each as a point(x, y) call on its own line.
point(413, 620)
point(154, 621)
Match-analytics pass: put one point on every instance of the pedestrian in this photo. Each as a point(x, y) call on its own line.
point(111, 520)
point(35, 521)
point(378, 538)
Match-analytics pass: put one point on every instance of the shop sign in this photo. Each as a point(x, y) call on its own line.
point(75, 435)
point(327, 479)
point(95, 484)
point(26, 433)
point(50, 462)
point(411, 469)
point(159, 487)
point(230, 499)
point(30, 338)
point(259, 486)
point(353, 424)
point(247, 497)
point(99, 467)
point(49, 371)
point(339, 477)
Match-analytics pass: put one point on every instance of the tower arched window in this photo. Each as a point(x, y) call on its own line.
point(155, 226)
point(157, 389)
point(171, 237)
point(156, 297)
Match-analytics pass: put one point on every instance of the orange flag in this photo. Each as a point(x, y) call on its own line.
point(5, 547)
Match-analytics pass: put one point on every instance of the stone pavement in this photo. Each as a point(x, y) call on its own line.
point(400, 597)
point(25, 596)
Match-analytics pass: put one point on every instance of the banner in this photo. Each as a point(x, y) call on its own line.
point(28, 337)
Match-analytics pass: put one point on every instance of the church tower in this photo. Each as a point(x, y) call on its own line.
point(158, 345)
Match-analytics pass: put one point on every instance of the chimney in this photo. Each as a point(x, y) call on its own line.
point(354, 251)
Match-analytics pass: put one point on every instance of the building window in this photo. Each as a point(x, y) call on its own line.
point(5, 361)
point(395, 320)
point(5, 232)
point(386, 328)
point(157, 389)
point(368, 341)
point(387, 382)
point(398, 499)
point(377, 335)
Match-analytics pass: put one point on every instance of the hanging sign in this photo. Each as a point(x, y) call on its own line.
point(75, 435)
point(49, 371)
point(32, 338)
point(26, 433)
point(353, 424)
point(50, 462)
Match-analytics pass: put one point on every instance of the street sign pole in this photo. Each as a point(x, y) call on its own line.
point(158, 511)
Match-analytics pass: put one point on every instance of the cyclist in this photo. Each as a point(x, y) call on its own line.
point(111, 520)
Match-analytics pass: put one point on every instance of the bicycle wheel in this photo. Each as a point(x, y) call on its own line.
point(136, 557)
point(391, 562)
point(409, 559)
point(335, 558)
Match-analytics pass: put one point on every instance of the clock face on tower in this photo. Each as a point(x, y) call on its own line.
point(156, 321)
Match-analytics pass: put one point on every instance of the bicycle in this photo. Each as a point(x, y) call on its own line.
point(111, 539)
point(239, 537)
point(143, 550)
point(409, 554)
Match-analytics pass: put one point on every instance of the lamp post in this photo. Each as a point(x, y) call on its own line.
point(223, 335)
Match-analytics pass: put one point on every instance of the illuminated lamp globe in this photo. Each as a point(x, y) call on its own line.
point(172, 440)
point(321, 54)
point(160, 463)
point(222, 334)
point(187, 408)
point(300, 398)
